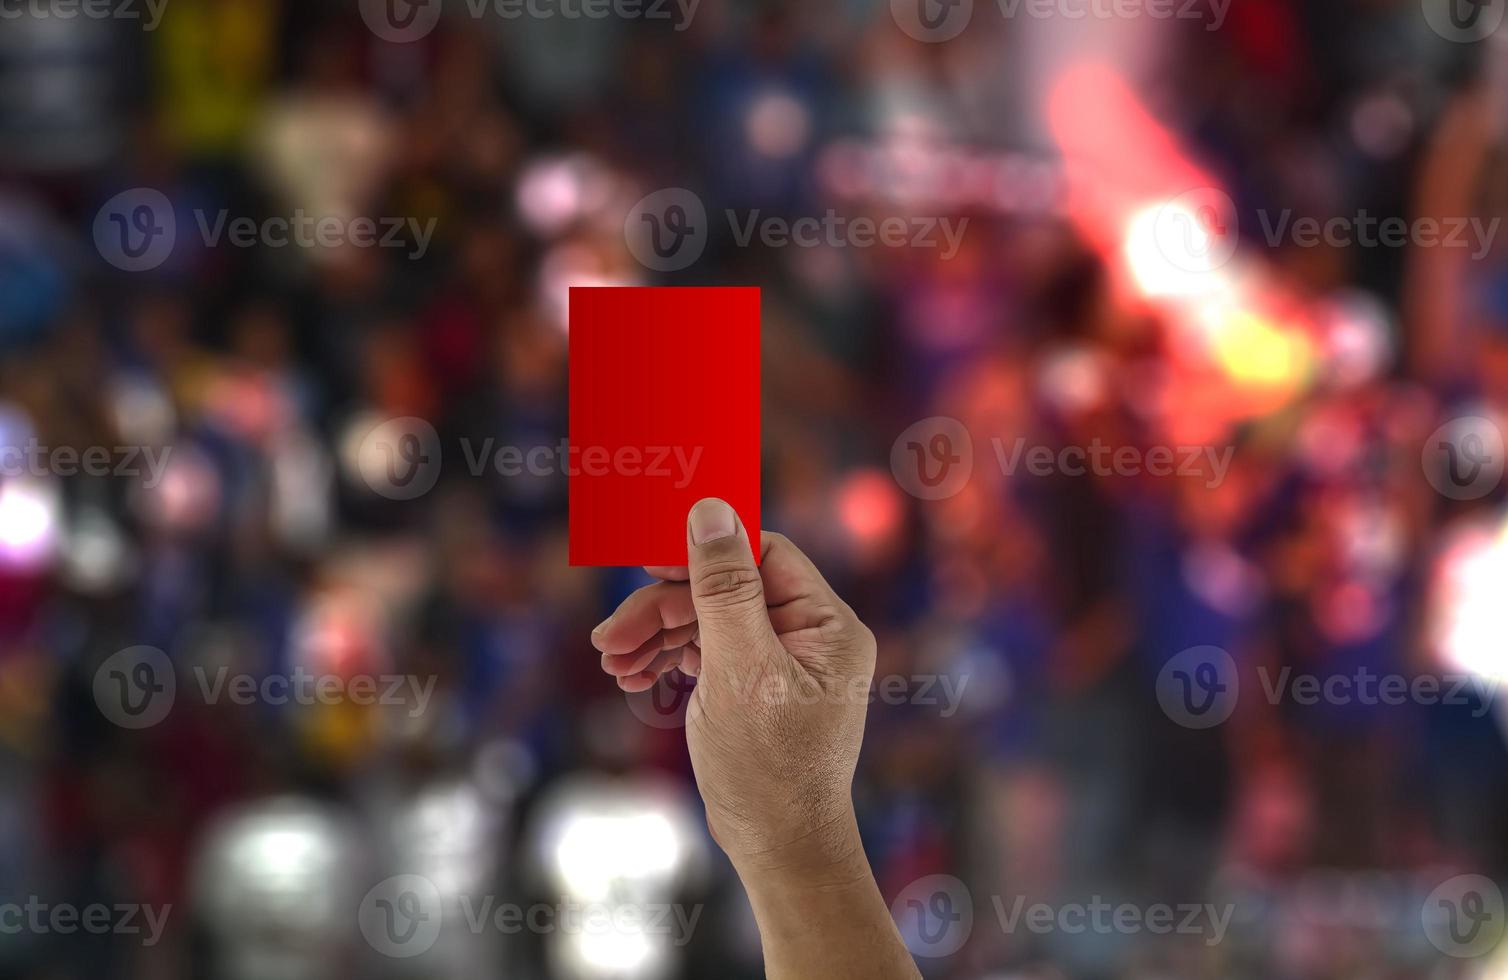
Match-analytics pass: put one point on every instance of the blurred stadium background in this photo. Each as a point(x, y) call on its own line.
point(1025, 622)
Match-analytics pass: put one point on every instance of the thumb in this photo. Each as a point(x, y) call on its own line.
point(725, 584)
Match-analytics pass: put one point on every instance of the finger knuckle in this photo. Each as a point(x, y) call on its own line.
point(727, 583)
point(840, 628)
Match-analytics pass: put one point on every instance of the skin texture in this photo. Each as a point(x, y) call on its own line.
point(773, 727)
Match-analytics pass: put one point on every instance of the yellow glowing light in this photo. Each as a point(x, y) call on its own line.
point(1254, 350)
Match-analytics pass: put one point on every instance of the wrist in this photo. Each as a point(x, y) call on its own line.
point(826, 856)
point(819, 910)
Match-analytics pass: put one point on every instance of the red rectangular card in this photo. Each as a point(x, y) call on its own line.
point(664, 411)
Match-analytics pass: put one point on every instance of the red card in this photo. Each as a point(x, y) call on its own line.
point(664, 412)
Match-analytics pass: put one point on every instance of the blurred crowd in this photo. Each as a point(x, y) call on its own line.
point(1028, 617)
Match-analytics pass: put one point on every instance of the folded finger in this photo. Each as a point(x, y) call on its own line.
point(662, 606)
point(645, 679)
point(622, 665)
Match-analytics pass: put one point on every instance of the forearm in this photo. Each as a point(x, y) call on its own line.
point(822, 915)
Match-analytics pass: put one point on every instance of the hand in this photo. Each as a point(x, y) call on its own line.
point(783, 671)
point(774, 724)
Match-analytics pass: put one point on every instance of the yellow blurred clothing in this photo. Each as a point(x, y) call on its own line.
point(214, 60)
